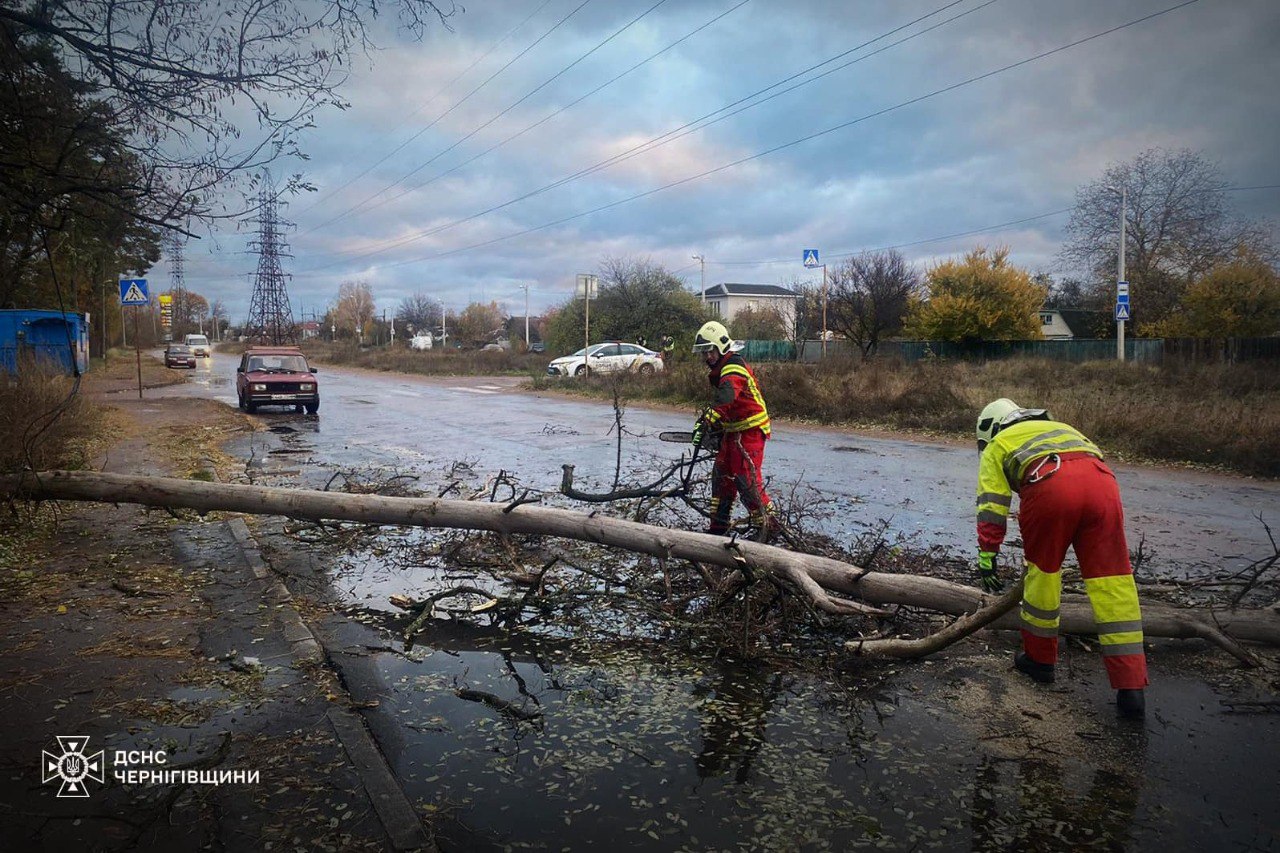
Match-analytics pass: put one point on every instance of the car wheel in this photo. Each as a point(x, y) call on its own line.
point(579, 370)
point(312, 408)
point(240, 400)
point(250, 406)
point(646, 370)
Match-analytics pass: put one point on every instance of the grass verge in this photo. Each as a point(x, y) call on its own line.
point(1220, 416)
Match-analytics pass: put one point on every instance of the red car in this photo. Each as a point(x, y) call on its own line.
point(178, 355)
point(276, 376)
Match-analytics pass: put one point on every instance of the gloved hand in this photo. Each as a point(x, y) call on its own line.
point(987, 574)
point(699, 432)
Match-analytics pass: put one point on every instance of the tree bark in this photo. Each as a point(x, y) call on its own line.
point(832, 576)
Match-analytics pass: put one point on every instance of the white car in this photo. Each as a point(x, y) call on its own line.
point(199, 345)
point(420, 342)
point(611, 357)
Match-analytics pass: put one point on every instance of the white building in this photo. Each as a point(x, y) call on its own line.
point(727, 299)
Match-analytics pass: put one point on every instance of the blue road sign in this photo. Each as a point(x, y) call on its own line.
point(133, 291)
point(1122, 310)
point(811, 258)
point(1122, 299)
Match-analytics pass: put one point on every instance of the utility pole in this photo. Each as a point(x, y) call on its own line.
point(444, 330)
point(525, 287)
point(824, 310)
point(702, 262)
point(1124, 197)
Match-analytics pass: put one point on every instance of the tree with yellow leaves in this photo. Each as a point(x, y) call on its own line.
point(1237, 299)
point(982, 297)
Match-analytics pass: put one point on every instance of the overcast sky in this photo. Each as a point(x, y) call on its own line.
point(402, 204)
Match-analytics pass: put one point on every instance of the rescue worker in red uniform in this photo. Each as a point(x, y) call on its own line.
point(739, 413)
point(1068, 498)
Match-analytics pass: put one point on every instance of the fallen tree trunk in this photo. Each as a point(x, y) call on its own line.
point(805, 570)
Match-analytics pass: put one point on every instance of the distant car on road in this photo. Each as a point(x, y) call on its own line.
point(276, 376)
point(537, 346)
point(420, 342)
point(199, 345)
point(179, 355)
point(611, 357)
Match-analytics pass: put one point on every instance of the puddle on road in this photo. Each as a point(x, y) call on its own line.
point(520, 745)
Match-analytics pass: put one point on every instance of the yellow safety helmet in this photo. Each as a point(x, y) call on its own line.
point(714, 336)
point(1001, 413)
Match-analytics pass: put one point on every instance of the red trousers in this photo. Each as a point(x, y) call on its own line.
point(737, 469)
point(1078, 506)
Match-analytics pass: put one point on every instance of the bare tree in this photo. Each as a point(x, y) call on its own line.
point(1177, 227)
point(185, 76)
point(420, 311)
point(868, 295)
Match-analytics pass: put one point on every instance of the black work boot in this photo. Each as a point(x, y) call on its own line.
point(1131, 703)
point(1041, 672)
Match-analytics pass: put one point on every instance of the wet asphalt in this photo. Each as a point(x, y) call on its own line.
point(1186, 521)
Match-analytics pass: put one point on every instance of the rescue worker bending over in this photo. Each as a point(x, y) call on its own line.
point(1068, 498)
point(739, 412)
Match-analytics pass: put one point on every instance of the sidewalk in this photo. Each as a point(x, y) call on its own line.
point(149, 633)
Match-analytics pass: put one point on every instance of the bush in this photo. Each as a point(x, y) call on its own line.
point(43, 424)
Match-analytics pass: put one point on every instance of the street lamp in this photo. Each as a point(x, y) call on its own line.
point(1123, 190)
point(702, 262)
point(525, 288)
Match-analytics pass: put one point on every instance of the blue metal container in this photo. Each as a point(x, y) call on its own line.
point(53, 337)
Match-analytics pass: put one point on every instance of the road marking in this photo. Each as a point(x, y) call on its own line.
point(481, 390)
point(405, 393)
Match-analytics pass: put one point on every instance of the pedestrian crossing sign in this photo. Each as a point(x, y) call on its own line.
point(133, 291)
point(1122, 311)
point(811, 258)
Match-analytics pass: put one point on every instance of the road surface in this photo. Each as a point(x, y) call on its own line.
point(923, 490)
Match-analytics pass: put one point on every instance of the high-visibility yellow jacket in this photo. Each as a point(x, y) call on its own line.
point(739, 405)
point(1005, 462)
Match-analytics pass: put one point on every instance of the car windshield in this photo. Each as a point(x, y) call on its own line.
point(179, 350)
point(593, 349)
point(278, 363)
point(198, 340)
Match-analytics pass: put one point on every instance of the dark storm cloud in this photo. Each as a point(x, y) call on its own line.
point(1013, 146)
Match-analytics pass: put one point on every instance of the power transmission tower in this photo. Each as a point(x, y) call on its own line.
point(270, 318)
point(180, 311)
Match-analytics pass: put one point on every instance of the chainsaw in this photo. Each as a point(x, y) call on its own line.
point(710, 439)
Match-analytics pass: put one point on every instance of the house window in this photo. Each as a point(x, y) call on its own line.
point(715, 308)
point(1046, 319)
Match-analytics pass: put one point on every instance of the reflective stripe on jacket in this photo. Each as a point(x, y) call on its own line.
point(1005, 462)
point(739, 405)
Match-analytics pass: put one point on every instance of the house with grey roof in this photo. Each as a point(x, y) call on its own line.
point(728, 298)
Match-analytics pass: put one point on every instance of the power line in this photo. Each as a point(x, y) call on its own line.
point(424, 105)
point(939, 239)
point(669, 136)
point(803, 139)
point(435, 121)
point(481, 127)
point(582, 98)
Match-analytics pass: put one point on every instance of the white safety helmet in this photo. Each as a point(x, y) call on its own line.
point(1001, 413)
point(712, 336)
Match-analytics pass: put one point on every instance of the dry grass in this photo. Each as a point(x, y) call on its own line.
point(433, 362)
point(1224, 416)
point(45, 422)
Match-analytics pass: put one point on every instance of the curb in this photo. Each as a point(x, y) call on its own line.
point(399, 820)
point(302, 643)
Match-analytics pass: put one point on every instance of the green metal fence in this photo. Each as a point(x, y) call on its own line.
point(769, 351)
point(1145, 350)
point(1140, 350)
